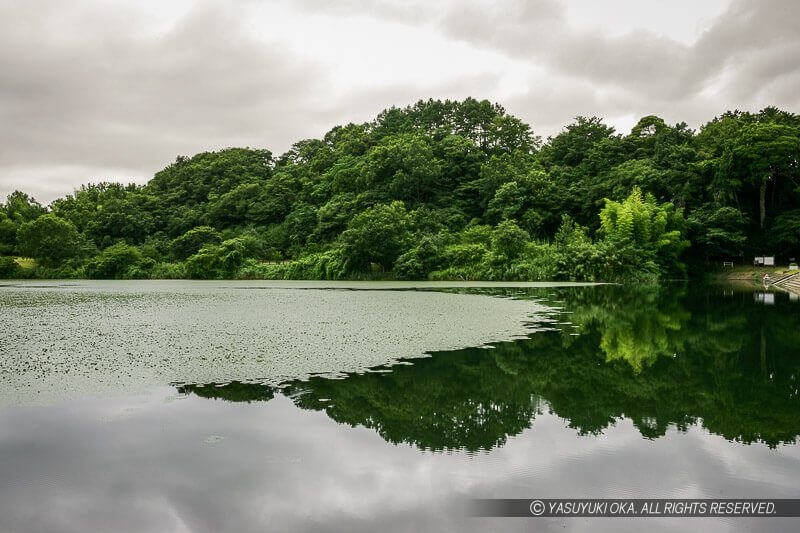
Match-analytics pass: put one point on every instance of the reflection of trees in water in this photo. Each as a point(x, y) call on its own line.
point(658, 357)
point(637, 324)
point(232, 392)
point(453, 400)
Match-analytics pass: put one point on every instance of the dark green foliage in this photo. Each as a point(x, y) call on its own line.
point(8, 267)
point(190, 181)
point(419, 261)
point(785, 232)
point(8, 234)
point(450, 190)
point(22, 208)
point(378, 235)
point(109, 212)
point(509, 239)
point(719, 232)
point(190, 242)
point(219, 261)
point(761, 156)
point(48, 239)
point(120, 261)
point(232, 392)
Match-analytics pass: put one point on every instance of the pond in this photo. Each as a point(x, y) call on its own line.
point(255, 406)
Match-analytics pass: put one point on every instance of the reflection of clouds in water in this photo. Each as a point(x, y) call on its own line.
point(280, 468)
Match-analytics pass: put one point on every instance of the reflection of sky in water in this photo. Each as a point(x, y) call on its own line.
point(146, 464)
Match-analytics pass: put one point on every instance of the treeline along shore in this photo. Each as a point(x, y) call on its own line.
point(441, 190)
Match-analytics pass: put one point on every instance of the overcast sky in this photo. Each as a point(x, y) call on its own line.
point(112, 90)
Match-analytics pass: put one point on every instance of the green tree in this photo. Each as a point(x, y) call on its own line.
point(190, 242)
point(378, 235)
point(194, 180)
point(507, 202)
point(419, 261)
point(405, 166)
point(652, 233)
point(8, 234)
point(8, 267)
point(717, 232)
point(508, 239)
point(48, 239)
point(573, 145)
point(220, 261)
point(762, 154)
point(115, 262)
point(20, 207)
point(785, 232)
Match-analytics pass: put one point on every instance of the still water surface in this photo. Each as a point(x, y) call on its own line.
point(363, 407)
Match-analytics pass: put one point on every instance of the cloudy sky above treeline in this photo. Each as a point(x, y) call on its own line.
point(114, 91)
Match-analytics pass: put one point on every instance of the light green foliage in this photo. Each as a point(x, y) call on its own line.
point(476, 234)
point(168, 271)
point(465, 254)
point(646, 231)
point(538, 262)
point(577, 257)
point(326, 265)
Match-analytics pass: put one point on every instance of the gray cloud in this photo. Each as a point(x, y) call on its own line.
point(753, 47)
point(95, 90)
point(91, 93)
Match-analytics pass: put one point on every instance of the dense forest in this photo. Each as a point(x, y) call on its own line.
point(456, 190)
